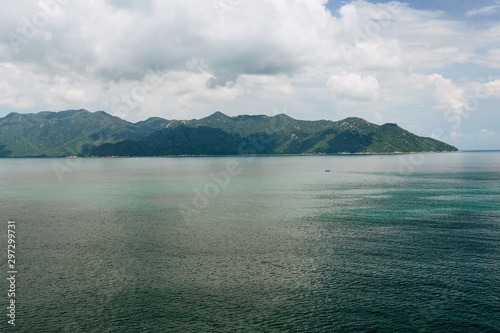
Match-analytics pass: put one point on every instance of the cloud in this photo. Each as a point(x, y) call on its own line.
point(10, 95)
point(124, 41)
point(448, 96)
point(488, 139)
point(173, 94)
point(488, 89)
point(487, 133)
point(353, 86)
point(488, 10)
point(267, 85)
point(491, 59)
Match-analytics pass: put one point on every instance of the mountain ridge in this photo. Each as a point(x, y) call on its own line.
point(84, 133)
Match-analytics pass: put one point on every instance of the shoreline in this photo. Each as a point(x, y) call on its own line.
point(255, 155)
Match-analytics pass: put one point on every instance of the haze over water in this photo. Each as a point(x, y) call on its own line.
point(380, 243)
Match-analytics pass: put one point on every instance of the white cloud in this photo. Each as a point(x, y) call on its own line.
point(267, 85)
point(270, 40)
point(174, 94)
point(9, 94)
point(487, 133)
point(353, 86)
point(488, 89)
point(488, 10)
point(491, 59)
point(456, 135)
point(448, 96)
point(74, 90)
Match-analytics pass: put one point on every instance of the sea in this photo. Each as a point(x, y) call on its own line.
point(316, 243)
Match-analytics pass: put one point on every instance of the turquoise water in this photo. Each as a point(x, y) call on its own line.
point(382, 243)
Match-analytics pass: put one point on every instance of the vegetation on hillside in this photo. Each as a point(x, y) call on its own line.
point(79, 132)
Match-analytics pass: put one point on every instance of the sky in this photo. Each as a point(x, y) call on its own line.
point(432, 67)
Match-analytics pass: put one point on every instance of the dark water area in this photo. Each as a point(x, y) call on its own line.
point(381, 243)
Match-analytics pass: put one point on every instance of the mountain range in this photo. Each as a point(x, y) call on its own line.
point(84, 133)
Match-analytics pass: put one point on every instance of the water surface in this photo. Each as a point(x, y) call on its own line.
point(380, 243)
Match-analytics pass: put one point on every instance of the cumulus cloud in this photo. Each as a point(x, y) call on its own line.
point(173, 94)
point(490, 88)
point(10, 95)
point(447, 94)
point(353, 86)
point(122, 41)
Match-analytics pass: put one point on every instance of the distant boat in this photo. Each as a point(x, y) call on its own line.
point(327, 170)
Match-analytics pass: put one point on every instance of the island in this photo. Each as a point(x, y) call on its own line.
point(98, 134)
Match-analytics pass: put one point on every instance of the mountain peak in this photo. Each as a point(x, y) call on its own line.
point(12, 114)
point(283, 116)
point(64, 114)
point(217, 114)
point(356, 120)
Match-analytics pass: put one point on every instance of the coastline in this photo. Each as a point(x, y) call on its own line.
point(257, 155)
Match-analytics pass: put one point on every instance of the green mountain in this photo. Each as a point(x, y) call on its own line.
point(65, 133)
point(177, 140)
point(83, 133)
point(219, 134)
